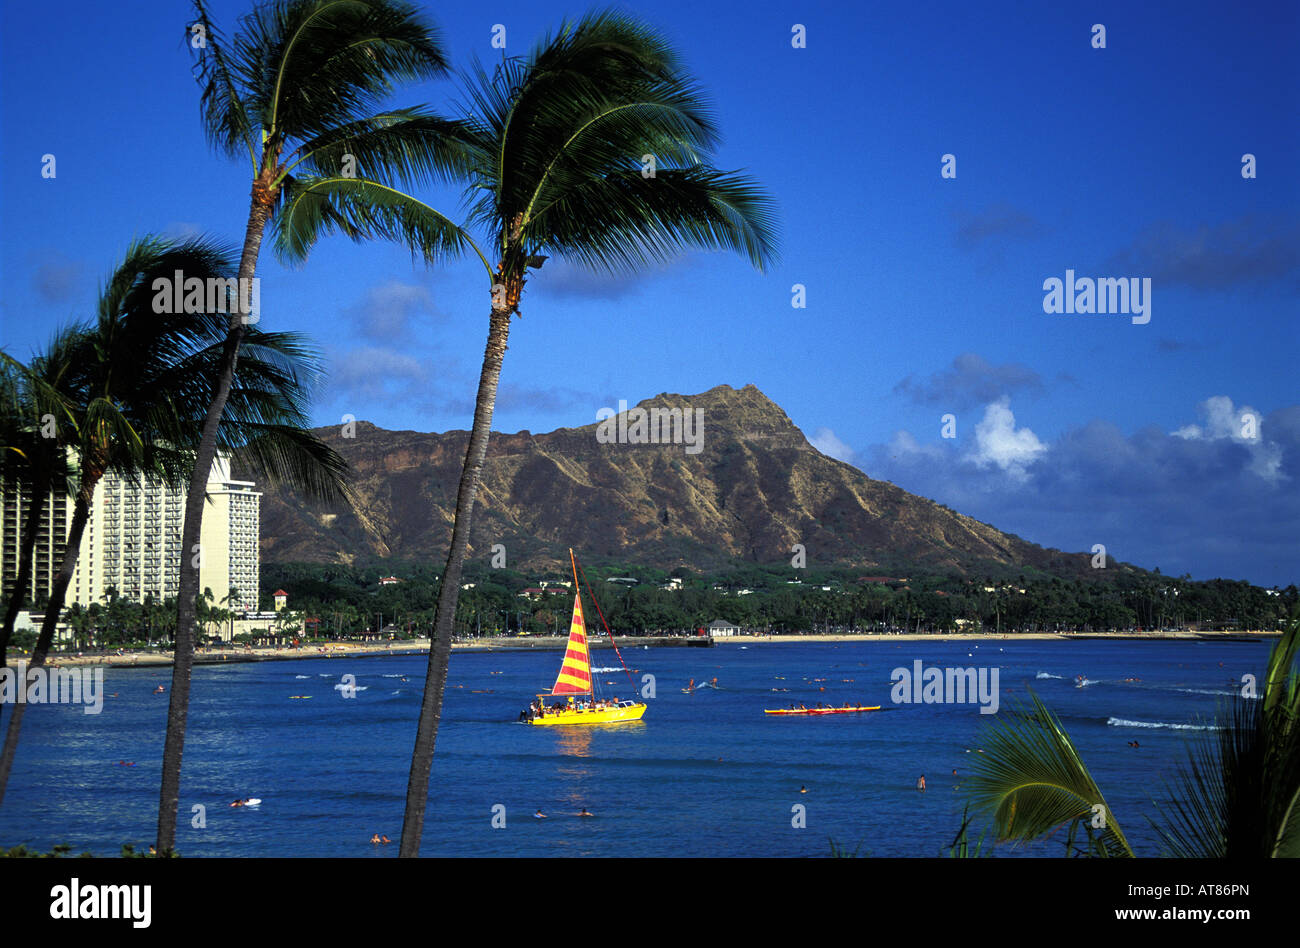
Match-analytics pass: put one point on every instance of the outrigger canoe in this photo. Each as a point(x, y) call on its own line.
point(820, 710)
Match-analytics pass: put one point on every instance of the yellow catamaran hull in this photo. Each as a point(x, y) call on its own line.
point(590, 716)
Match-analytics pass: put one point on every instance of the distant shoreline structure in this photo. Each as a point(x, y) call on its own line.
point(335, 650)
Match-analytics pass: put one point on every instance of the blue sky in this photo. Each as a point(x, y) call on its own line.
point(924, 294)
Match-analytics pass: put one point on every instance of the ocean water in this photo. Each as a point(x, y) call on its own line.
point(704, 774)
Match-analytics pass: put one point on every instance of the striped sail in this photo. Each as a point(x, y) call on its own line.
point(575, 673)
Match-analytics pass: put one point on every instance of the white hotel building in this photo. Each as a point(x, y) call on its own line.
point(132, 540)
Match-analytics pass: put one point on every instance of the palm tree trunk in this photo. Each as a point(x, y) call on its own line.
point(40, 488)
point(262, 206)
point(72, 549)
point(426, 736)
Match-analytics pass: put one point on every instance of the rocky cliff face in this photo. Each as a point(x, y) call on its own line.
point(746, 485)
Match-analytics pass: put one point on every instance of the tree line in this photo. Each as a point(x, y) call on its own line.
point(351, 601)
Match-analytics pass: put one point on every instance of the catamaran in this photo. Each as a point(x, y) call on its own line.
point(573, 699)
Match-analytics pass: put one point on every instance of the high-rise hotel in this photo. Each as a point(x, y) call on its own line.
point(132, 541)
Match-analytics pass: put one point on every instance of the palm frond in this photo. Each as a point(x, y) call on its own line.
point(291, 456)
point(406, 146)
point(307, 66)
point(1030, 781)
point(226, 121)
point(622, 222)
point(362, 210)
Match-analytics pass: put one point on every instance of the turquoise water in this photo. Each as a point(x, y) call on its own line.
point(705, 774)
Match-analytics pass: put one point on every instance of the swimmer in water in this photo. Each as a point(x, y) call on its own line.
point(385, 840)
point(159, 690)
point(585, 813)
point(374, 840)
point(539, 815)
point(920, 783)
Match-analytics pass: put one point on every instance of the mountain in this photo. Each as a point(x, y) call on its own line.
point(746, 485)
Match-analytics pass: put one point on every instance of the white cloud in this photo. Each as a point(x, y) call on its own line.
point(998, 442)
point(824, 440)
point(1242, 425)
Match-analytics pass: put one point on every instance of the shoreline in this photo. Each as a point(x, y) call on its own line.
point(421, 646)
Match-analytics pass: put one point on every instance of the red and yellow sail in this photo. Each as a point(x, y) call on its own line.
point(575, 673)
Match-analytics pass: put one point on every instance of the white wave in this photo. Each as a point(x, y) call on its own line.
point(607, 669)
point(1122, 722)
point(1215, 691)
point(395, 675)
point(1048, 675)
point(342, 687)
point(302, 676)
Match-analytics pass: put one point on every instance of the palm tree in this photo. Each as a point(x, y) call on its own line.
point(120, 419)
point(33, 425)
point(204, 612)
point(555, 147)
point(230, 600)
point(1237, 796)
point(140, 381)
point(300, 91)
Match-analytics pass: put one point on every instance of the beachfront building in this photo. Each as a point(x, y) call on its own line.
point(721, 627)
point(132, 541)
